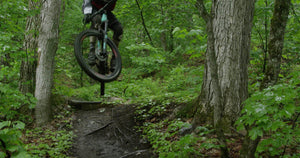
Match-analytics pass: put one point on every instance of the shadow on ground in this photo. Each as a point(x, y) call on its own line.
point(108, 133)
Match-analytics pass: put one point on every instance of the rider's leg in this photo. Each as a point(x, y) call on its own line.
point(92, 56)
point(118, 31)
point(116, 26)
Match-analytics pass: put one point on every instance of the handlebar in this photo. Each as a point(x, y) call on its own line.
point(103, 9)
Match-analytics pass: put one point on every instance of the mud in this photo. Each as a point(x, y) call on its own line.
point(108, 133)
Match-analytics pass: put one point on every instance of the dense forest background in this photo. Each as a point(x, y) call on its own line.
point(163, 54)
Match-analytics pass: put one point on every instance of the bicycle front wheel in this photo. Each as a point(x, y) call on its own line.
point(105, 69)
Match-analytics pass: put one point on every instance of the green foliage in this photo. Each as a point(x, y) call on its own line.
point(193, 42)
point(155, 76)
point(86, 93)
point(53, 140)
point(146, 58)
point(176, 87)
point(291, 53)
point(167, 142)
point(260, 39)
point(10, 136)
point(11, 99)
point(12, 27)
point(273, 113)
point(48, 143)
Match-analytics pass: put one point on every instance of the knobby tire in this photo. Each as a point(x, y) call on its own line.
point(96, 75)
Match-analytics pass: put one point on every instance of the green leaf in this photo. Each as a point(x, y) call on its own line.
point(5, 124)
point(22, 154)
point(255, 132)
point(276, 125)
point(19, 125)
point(13, 148)
point(2, 154)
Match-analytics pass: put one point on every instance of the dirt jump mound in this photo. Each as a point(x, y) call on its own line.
point(108, 133)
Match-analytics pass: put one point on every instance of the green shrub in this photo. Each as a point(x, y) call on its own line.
point(273, 115)
point(168, 143)
point(48, 143)
point(10, 136)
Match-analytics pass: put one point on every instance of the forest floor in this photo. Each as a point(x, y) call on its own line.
point(107, 132)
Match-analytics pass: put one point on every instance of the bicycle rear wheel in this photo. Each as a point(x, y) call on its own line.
point(106, 69)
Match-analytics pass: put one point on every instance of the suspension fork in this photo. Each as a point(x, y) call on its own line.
point(104, 44)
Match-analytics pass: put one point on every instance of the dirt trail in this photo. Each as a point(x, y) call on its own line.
point(108, 133)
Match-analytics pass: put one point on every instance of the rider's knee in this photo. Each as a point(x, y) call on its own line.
point(118, 31)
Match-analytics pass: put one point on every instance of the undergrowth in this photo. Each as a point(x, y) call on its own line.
point(273, 114)
point(53, 140)
point(168, 139)
point(18, 136)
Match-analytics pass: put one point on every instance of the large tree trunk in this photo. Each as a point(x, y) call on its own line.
point(225, 84)
point(276, 40)
point(28, 65)
point(47, 46)
point(231, 24)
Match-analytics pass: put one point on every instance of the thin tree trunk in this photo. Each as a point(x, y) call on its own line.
point(249, 146)
point(143, 22)
point(265, 47)
point(163, 36)
point(29, 63)
point(47, 46)
point(276, 40)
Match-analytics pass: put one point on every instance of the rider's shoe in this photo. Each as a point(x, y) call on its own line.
point(92, 56)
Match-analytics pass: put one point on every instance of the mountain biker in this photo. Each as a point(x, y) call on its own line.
point(91, 6)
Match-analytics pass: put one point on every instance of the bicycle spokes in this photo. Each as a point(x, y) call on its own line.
point(107, 64)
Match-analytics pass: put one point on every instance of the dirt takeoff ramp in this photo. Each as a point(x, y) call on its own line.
point(108, 133)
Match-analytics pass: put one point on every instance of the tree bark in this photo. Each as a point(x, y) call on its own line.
point(29, 64)
point(276, 40)
point(231, 24)
point(225, 82)
point(249, 146)
point(47, 46)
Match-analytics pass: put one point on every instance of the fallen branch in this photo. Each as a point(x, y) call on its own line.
point(132, 153)
point(99, 129)
point(79, 102)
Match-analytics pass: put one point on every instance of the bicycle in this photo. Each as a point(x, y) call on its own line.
point(108, 59)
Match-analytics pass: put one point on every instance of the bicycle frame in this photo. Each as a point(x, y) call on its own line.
point(102, 27)
point(108, 58)
point(104, 20)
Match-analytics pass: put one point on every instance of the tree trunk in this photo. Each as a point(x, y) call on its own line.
point(225, 83)
point(231, 24)
point(276, 40)
point(28, 65)
point(47, 46)
point(143, 22)
point(163, 35)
